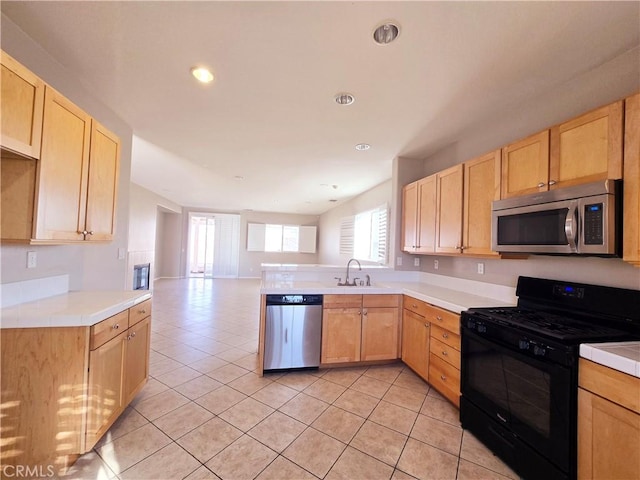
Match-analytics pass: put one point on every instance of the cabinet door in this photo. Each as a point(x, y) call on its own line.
point(21, 108)
point(409, 217)
point(426, 215)
point(379, 334)
point(587, 148)
point(608, 439)
point(136, 370)
point(415, 343)
point(631, 209)
point(525, 166)
point(104, 163)
point(106, 397)
point(63, 171)
point(341, 335)
point(449, 210)
point(481, 188)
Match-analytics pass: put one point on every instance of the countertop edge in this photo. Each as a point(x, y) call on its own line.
point(73, 309)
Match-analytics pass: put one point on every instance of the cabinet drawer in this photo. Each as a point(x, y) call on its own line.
point(342, 301)
point(444, 378)
point(444, 318)
point(139, 312)
point(416, 306)
point(107, 329)
point(445, 336)
point(445, 352)
point(385, 301)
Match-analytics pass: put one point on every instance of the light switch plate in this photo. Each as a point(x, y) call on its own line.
point(120, 253)
point(31, 259)
point(435, 264)
point(416, 262)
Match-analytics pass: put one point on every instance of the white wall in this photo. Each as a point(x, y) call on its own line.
point(605, 84)
point(90, 266)
point(142, 230)
point(329, 229)
point(168, 244)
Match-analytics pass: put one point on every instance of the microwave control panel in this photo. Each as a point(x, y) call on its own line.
point(593, 224)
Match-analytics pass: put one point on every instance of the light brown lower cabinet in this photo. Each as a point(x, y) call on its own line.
point(608, 423)
point(62, 388)
point(431, 346)
point(359, 328)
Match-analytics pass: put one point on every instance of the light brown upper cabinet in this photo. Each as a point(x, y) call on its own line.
point(587, 148)
point(69, 194)
point(525, 166)
point(449, 210)
point(419, 216)
point(481, 188)
point(631, 207)
point(21, 108)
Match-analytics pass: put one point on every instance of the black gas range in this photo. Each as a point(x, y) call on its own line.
point(519, 369)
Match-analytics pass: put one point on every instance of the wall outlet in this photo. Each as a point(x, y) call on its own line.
point(435, 264)
point(481, 268)
point(120, 253)
point(416, 262)
point(399, 261)
point(31, 259)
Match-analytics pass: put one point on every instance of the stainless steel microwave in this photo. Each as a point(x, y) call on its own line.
point(580, 220)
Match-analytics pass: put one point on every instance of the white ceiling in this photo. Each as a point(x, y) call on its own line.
point(270, 118)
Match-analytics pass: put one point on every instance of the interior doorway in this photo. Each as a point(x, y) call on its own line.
point(202, 229)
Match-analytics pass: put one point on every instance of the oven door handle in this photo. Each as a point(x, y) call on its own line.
point(571, 227)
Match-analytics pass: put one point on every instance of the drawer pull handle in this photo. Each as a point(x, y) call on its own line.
point(443, 378)
point(439, 318)
point(116, 326)
point(444, 352)
point(445, 335)
point(541, 184)
point(414, 305)
point(133, 334)
point(426, 325)
point(142, 311)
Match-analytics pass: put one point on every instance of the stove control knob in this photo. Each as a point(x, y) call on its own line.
point(471, 324)
point(482, 328)
point(523, 345)
point(540, 351)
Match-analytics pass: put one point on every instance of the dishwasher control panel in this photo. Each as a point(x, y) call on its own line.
point(294, 299)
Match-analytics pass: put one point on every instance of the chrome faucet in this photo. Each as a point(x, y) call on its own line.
point(346, 280)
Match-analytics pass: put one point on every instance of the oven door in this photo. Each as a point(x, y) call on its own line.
point(529, 397)
point(545, 228)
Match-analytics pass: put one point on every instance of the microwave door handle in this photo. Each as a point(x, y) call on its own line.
point(571, 227)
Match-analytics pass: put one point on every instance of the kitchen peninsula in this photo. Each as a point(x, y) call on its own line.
point(71, 363)
point(398, 316)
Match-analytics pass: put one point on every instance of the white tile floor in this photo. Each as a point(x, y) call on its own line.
point(205, 414)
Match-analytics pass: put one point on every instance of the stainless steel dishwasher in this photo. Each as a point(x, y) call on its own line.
point(292, 332)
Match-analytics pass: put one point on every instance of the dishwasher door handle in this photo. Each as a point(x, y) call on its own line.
point(286, 335)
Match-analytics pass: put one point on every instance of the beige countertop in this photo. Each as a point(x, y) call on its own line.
point(621, 356)
point(71, 309)
point(447, 298)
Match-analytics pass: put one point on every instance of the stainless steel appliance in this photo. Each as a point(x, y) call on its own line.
point(519, 370)
point(292, 331)
point(585, 219)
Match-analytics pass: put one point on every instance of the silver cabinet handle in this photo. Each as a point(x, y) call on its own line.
point(439, 318)
point(541, 184)
point(443, 378)
point(426, 325)
point(116, 326)
point(364, 312)
point(142, 311)
point(552, 182)
point(445, 335)
point(133, 334)
point(444, 352)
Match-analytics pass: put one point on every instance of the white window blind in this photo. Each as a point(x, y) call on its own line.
point(365, 235)
point(281, 238)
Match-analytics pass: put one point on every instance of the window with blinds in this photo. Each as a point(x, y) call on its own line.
point(365, 235)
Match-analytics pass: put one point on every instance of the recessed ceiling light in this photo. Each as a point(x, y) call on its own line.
point(363, 146)
point(344, 99)
point(386, 33)
point(202, 74)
